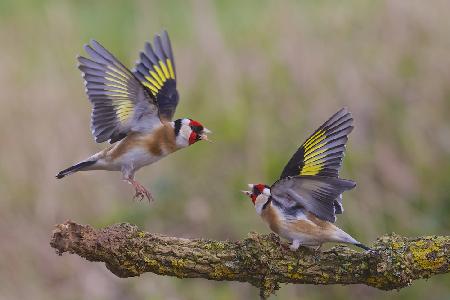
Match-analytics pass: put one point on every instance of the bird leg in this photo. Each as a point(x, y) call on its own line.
point(141, 191)
point(284, 245)
point(316, 251)
point(295, 244)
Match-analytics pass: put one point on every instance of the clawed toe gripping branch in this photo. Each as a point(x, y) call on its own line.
point(260, 260)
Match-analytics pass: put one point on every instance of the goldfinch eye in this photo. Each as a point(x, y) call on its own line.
point(197, 128)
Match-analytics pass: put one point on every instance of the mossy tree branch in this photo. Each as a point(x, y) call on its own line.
point(259, 259)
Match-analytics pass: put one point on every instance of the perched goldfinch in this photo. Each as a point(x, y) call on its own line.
point(134, 110)
point(302, 205)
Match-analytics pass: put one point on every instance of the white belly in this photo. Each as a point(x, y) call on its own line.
point(129, 162)
point(137, 158)
point(304, 236)
point(305, 239)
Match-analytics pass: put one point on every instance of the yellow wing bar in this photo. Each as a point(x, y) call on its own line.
point(321, 154)
point(158, 75)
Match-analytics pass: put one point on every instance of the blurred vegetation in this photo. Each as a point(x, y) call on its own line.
point(262, 75)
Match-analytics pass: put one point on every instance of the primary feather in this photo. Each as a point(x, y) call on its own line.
point(322, 153)
point(120, 102)
point(315, 194)
point(156, 71)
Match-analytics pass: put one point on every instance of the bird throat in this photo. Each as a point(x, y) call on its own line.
point(267, 203)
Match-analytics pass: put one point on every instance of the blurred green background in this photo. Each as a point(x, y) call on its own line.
point(262, 75)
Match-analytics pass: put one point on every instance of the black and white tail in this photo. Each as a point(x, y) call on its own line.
point(363, 247)
point(75, 168)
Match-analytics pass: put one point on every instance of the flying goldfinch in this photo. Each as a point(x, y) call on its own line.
point(134, 110)
point(302, 205)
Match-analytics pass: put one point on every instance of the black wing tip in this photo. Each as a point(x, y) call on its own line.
point(88, 46)
point(80, 59)
point(147, 44)
point(341, 116)
point(100, 139)
point(344, 111)
point(165, 35)
point(162, 33)
point(156, 38)
point(117, 137)
point(347, 184)
point(84, 60)
point(93, 42)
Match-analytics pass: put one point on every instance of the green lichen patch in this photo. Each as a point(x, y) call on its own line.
point(141, 234)
point(222, 272)
point(425, 253)
point(215, 245)
point(292, 272)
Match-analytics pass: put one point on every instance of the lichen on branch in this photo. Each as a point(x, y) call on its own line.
point(261, 260)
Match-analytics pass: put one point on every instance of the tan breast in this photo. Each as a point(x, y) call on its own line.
point(162, 141)
point(159, 142)
point(312, 226)
point(272, 217)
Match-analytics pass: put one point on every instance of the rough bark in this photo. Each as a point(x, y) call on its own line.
point(260, 260)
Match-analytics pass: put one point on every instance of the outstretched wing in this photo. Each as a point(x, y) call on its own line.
point(156, 71)
point(120, 102)
point(322, 153)
point(315, 194)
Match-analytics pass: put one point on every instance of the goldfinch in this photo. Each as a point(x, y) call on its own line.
point(302, 205)
point(134, 110)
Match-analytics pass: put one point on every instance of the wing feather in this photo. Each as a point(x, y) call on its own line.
point(317, 194)
point(120, 102)
point(322, 153)
point(156, 71)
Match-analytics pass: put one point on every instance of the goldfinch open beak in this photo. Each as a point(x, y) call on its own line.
point(204, 136)
point(248, 193)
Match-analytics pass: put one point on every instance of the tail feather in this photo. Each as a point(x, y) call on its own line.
point(363, 246)
point(75, 168)
point(344, 237)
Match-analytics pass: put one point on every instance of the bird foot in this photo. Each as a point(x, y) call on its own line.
point(316, 251)
point(285, 246)
point(141, 191)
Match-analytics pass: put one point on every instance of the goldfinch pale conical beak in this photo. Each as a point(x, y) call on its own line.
point(204, 136)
